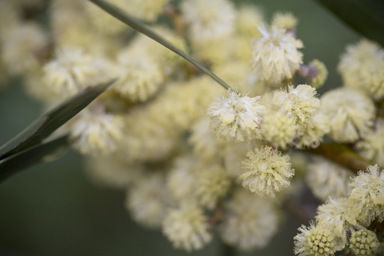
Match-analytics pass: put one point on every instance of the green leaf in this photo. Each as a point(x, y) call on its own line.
point(33, 155)
point(364, 16)
point(142, 28)
point(52, 120)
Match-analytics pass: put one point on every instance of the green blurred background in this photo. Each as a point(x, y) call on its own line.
point(54, 209)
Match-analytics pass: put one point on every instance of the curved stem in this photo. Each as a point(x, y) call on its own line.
point(142, 28)
point(341, 155)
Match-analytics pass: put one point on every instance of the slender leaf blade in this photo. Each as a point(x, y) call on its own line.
point(142, 28)
point(30, 156)
point(56, 118)
point(364, 16)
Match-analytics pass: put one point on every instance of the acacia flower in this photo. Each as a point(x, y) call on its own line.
point(236, 118)
point(299, 103)
point(186, 227)
point(368, 195)
point(314, 241)
point(350, 113)
point(275, 56)
point(266, 171)
point(250, 221)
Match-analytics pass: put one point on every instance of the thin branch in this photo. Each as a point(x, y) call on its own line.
point(341, 155)
point(142, 28)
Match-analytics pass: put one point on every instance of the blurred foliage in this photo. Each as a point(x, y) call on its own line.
point(54, 209)
point(365, 16)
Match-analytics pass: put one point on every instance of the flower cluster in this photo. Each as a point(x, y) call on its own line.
point(194, 159)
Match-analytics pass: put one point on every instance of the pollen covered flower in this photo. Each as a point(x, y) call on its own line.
point(236, 118)
point(250, 221)
point(279, 129)
point(328, 179)
point(186, 227)
point(213, 184)
point(140, 76)
point(275, 56)
point(364, 243)
point(284, 20)
point(299, 103)
point(183, 178)
point(208, 19)
point(266, 171)
point(362, 68)
point(20, 47)
point(314, 241)
point(312, 135)
point(97, 133)
point(148, 200)
point(350, 113)
point(204, 141)
point(372, 147)
point(70, 72)
point(367, 195)
point(334, 216)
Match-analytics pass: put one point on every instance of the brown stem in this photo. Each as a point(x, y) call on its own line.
point(341, 155)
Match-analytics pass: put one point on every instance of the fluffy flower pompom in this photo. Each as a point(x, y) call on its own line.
point(97, 133)
point(236, 118)
point(140, 76)
point(250, 221)
point(314, 241)
point(148, 200)
point(334, 215)
point(266, 171)
point(350, 113)
point(279, 129)
point(372, 147)
point(275, 56)
point(208, 20)
point(364, 243)
point(284, 20)
point(368, 195)
point(186, 227)
point(300, 102)
point(328, 179)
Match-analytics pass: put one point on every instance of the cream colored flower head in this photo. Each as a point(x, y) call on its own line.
point(208, 19)
point(334, 215)
point(21, 46)
point(250, 221)
point(312, 135)
point(236, 118)
point(361, 67)
point(70, 72)
point(279, 129)
point(148, 200)
point(140, 75)
point(372, 147)
point(97, 133)
point(350, 113)
point(327, 179)
point(284, 20)
point(299, 103)
point(275, 56)
point(314, 241)
point(363, 243)
point(367, 195)
point(266, 171)
point(213, 184)
point(186, 227)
